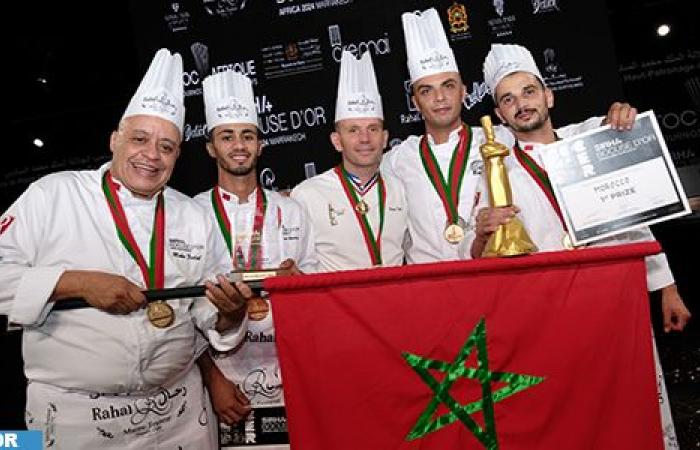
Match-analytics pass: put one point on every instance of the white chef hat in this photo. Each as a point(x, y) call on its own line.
point(504, 59)
point(358, 94)
point(228, 98)
point(161, 91)
point(427, 48)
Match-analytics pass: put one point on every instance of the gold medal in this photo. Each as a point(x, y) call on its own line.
point(362, 207)
point(566, 242)
point(257, 308)
point(160, 314)
point(454, 233)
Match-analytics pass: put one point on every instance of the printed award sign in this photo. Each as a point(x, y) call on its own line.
point(608, 182)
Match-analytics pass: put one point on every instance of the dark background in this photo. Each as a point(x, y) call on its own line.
point(72, 68)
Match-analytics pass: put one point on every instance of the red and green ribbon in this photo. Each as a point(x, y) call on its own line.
point(541, 178)
point(448, 191)
point(374, 245)
point(153, 273)
point(254, 260)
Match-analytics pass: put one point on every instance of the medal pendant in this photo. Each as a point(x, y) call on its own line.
point(454, 233)
point(160, 314)
point(362, 207)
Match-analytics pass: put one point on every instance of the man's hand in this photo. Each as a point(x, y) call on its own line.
point(229, 403)
point(676, 315)
point(620, 116)
point(231, 301)
point(105, 291)
point(288, 267)
point(489, 219)
point(487, 222)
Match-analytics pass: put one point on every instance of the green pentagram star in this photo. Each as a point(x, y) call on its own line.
point(456, 369)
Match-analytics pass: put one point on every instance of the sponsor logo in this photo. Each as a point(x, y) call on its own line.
point(478, 93)
point(292, 58)
point(502, 25)
point(224, 8)
point(412, 115)
point(379, 46)
point(267, 178)
point(543, 6)
point(555, 77)
point(177, 18)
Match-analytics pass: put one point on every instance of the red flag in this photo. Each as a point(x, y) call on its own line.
point(549, 351)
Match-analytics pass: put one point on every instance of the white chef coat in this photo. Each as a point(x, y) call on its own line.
point(426, 214)
point(254, 366)
point(63, 222)
point(340, 243)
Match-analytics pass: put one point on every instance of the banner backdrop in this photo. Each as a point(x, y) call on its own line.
point(292, 48)
point(547, 351)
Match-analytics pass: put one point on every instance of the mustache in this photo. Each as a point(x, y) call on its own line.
point(522, 111)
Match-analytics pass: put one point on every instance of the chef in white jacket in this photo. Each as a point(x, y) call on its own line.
point(257, 229)
point(440, 170)
point(119, 374)
point(359, 214)
point(522, 102)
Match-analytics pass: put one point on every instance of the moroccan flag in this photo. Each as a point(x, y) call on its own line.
point(549, 351)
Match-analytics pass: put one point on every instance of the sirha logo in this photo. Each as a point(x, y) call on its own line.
point(159, 103)
point(435, 61)
point(233, 109)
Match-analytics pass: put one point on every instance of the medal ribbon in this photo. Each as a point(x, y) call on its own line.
point(255, 249)
point(448, 191)
point(153, 274)
point(541, 178)
point(373, 244)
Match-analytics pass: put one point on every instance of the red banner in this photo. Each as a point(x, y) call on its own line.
point(549, 351)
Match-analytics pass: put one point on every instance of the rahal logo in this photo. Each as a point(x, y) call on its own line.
point(159, 103)
point(379, 46)
point(457, 18)
point(435, 61)
point(232, 109)
point(543, 6)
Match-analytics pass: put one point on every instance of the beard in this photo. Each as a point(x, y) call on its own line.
point(542, 118)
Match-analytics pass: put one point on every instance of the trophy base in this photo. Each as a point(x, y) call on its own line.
point(510, 239)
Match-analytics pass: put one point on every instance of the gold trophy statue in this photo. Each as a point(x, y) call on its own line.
point(510, 239)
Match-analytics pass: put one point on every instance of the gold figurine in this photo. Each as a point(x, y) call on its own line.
point(510, 239)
